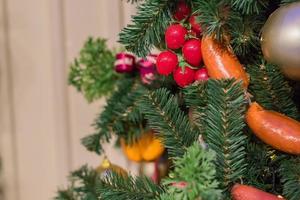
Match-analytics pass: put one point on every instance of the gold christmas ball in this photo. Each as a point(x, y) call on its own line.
point(107, 167)
point(280, 39)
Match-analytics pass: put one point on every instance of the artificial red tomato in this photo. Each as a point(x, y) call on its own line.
point(192, 52)
point(184, 76)
point(195, 25)
point(201, 75)
point(182, 11)
point(175, 36)
point(166, 63)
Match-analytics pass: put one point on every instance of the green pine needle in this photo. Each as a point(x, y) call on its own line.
point(197, 169)
point(82, 187)
point(117, 187)
point(67, 194)
point(148, 26)
point(249, 6)
point(262, 167)
point(270, 89)
point(290, 177)
point(195, 97)
point(214, 17)
point(224, 130)
point(284, 2)
point(162, 111)
point(120, 111)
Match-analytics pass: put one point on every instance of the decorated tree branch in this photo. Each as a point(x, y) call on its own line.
point(215, 112)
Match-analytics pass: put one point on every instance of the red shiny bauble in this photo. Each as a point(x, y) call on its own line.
point(192, 52)
point(182, 11)
point(201, 75)
point(184, 76)
point(195, 25)
point(166, 63)
point(175, 36)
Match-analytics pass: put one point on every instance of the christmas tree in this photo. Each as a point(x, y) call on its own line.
point(221, 100)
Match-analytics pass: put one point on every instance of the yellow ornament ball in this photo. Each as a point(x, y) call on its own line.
point(107, 167)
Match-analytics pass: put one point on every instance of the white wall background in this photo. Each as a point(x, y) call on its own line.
point(41, 118)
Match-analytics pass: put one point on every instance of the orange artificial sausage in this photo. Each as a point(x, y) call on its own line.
point(221, 62)
point(244, 192)
point(275, 129)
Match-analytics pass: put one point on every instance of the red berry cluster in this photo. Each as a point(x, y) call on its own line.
point(183, 57)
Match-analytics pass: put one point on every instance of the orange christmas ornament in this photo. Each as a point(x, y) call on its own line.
point(147, 148)
point(275, 129)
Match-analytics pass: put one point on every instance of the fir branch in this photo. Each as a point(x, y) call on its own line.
point(284, 2)
point(290, 177)
point(249, 7)
point(148, 26)
point(195, 94)
point(83, 183)
point(195, 97)
point(67, 194)
point(215, 17)
point(196, 168)
point(92, 142)
point(117, 187)
point(271, 90)
point(126, 110)
point(162, 111)
point(105, 121)
point(92, 73)
point(85, 180)
point(224, 130)
point(245, 37)
point(133, 1)
point(262, 167)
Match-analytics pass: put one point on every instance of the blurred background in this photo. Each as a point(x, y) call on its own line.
point(41, 118)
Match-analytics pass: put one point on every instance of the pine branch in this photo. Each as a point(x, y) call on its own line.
point(215, 17)
point(133, 1)
point(290, 177)
point(196, 168)
point(92, 73)
point(195, 97)
point(65, 195)
point(262, 167)
point(83, 183)
point(117, 187)
point(245, 37)
point(85, 180)
point(249, 7)
point(224, 130)
point(148, 26)
point(271, 89)
point(111, 118)
point(126, 110)
point(92, 142)
point(195, 94)
point(284, 2)
point(162, 111)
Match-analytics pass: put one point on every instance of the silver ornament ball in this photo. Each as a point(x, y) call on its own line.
point(280, 39)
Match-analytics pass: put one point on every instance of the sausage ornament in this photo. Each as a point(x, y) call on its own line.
point(244, 192)
point(275, 129)
point(221, 62)
point(147, 148)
